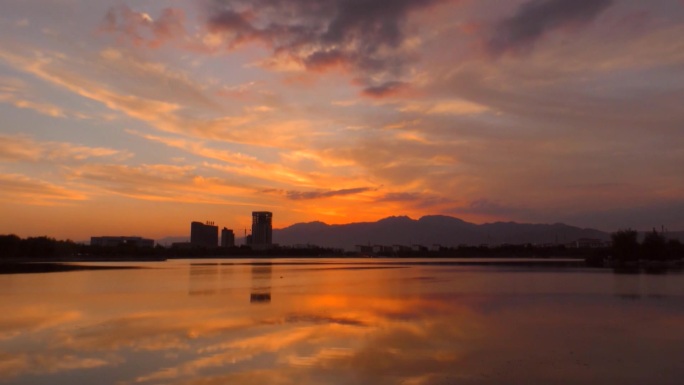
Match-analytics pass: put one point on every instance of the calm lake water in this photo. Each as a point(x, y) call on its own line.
point(340, 322)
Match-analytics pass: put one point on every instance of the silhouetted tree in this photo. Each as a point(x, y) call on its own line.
point(625, 245)
point(9, 246)
point(674, 249)
point(654, 246)
point(39, 247)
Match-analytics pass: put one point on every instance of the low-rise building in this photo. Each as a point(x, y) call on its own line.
point(400, 248)
point(416, 247)
point(364, 249)
point(587, 243)
point(382, 249)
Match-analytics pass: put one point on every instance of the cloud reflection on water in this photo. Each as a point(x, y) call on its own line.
point(383, 326)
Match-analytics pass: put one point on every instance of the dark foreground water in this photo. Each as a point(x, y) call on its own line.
point(340, 322)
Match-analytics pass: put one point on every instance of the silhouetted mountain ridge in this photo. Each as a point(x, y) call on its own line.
point(429, 230)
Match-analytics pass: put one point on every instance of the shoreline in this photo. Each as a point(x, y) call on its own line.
point(49, 265)
point(53, 267)
point(43, 265)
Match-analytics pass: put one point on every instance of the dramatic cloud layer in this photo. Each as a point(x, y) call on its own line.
point(339, 111)
point(366, 37)
point(536, 18)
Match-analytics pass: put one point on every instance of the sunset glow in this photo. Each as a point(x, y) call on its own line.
point(138, 117)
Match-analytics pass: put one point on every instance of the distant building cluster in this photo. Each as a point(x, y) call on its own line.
point(379, 249)
point(207, 234)
point(582, 243)
point(588, 243)
point(119, 241)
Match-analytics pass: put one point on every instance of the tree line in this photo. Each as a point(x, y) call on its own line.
point(11, 246)
point(654, 247)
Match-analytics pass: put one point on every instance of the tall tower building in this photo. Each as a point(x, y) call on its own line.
point(262, 229)
point(227, 238)
point(205, 235)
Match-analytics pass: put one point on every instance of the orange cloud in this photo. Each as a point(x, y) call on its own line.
point(444, 107)
point(20, 188)
point(159, 182)
point(43, 108)
point(25, 148)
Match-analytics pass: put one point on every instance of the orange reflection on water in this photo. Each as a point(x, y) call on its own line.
point(335, 323)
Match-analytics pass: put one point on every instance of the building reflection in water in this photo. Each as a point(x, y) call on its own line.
point(261, 283)
point(208, 279)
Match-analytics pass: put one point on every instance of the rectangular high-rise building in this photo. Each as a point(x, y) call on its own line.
point(204, 235)
point(262, 230)
point(227, 238)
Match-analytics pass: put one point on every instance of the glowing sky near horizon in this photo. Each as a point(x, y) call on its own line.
point(137, 117)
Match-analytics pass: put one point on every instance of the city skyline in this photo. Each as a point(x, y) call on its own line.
point(140, 117)
point(207, 234)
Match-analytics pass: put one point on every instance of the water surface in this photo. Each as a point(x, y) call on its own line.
point(340, 322)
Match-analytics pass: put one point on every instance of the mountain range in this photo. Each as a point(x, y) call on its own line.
point(428, 231)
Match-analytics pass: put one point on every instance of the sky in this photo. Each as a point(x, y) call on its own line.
point(138, 117)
